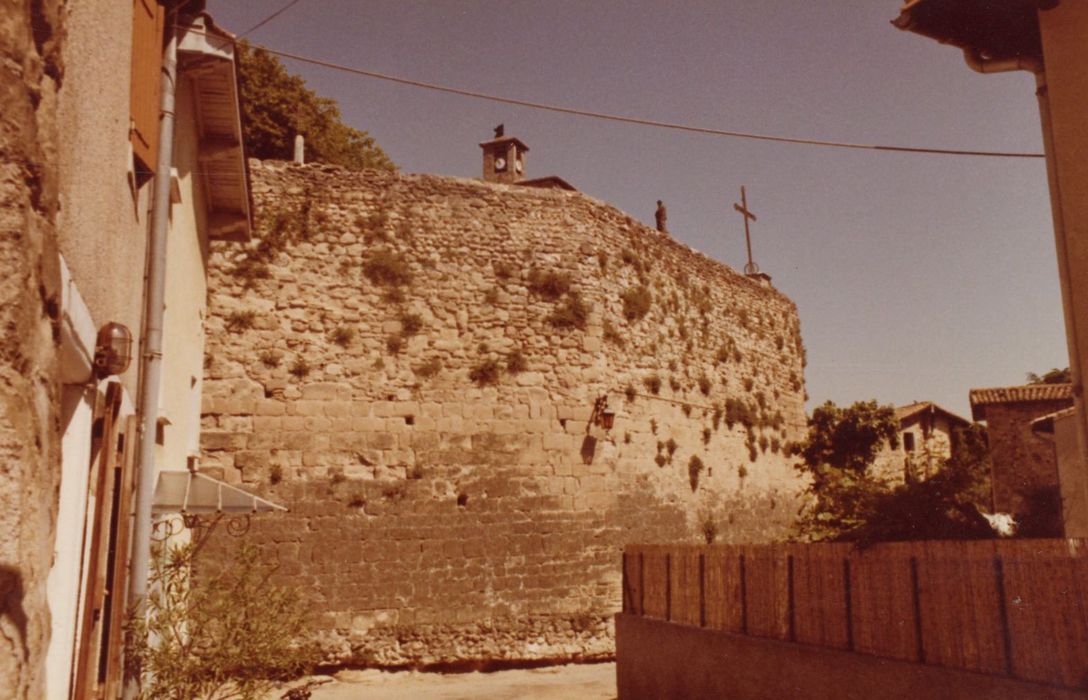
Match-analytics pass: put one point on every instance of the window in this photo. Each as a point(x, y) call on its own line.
point(908, 442)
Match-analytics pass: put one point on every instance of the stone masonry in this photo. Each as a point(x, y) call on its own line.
point(30, 72)
point(410, 363)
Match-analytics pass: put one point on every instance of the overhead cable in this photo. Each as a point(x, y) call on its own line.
point(643, 122)
point(269, 18)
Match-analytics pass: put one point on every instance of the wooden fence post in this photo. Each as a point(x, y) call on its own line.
point(641, 583)
point(625, 583)
point(917, 603)
point(849, 603)
point(743, 597)
point(792, 628)
point(668, 587)
point(702, 590)
point(1003, 611)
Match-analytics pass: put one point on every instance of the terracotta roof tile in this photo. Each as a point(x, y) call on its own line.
point(1014, 394)
point(904, 412)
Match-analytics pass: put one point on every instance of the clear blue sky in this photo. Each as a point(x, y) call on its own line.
point(917, 277)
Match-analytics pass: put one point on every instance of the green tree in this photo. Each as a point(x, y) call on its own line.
point(837, 452)
point(849, 503)
point(276, 105)
point(1054, 376)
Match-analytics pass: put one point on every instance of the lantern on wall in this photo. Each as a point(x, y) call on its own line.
point(112, 349)
point(603, 416)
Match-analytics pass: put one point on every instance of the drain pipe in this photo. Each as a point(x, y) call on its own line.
point(151, 359)
point(976, 62)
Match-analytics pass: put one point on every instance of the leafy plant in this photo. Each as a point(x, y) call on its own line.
point(342, 335)
point(394, 343)
point(429, 368)
point(704, 385)
point(485, 373)
point(238, 321)
point(636, 302)
point(573, 313)
point(549, 284)
point(270, 358)
point(695, 468)
point(388, 268)
point(653, 383)
point(227, 634)
point(300, 368)
point(410, 323)
point(516, 362)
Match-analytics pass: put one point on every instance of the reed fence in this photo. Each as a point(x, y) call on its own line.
point(1017, 608)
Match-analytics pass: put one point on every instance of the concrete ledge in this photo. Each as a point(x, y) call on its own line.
point(657, 659)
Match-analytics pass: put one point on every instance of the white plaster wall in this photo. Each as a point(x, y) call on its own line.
point(186, 295)
point(102, 223)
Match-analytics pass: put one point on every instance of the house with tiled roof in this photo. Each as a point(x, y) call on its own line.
point(926, 436)
point(1024, 464)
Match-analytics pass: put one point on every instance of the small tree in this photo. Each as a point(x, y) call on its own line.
point(222, 635)
point(840, 447)
point(1054, 376)
point(851, 504)
point(276, 105)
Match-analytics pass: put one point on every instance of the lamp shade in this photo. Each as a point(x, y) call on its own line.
point(112, 349)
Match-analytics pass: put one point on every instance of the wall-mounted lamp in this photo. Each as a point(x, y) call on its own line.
point(602, 416)
point(112, 350)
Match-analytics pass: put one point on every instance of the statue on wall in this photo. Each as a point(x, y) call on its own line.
point(662, 217)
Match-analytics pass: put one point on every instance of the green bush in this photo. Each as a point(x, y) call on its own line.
point(695, 468)
point(387, 268)
point(238, 321)
point(573, 313)
point(636, 302)
point(516, 362)
point(549, 284)
point(228, 633)
point(485, 373)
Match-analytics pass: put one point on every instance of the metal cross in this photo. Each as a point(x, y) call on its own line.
point(751, 268)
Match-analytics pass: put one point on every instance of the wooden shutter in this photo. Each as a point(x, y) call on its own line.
point(147, 30)
point(98, 667)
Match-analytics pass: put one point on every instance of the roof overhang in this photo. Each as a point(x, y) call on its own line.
point(905, 413)
point(997, 30)
point(193, 493)
point(551, 182)
point(493, 143)
point(206, 57)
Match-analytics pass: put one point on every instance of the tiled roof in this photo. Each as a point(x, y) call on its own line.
point(904, 412)
point(1029, 392)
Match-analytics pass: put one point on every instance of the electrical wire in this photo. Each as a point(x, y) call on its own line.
point(269, 18)
point(629, 120)
point(645, 122)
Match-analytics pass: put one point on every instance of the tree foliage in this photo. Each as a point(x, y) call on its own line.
point(850, 503)
point(276, 105)
point(226, 635)
point(1054, 376)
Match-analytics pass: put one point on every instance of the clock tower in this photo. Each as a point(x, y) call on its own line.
point(504, 158)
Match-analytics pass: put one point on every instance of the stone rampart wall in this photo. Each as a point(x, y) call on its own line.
point(410, 363)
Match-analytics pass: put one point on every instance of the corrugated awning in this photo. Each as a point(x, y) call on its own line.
point(195, 493)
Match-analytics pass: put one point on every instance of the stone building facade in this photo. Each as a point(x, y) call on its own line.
point(30, 74)
point(1023, 462)
point(926, 439)
point(412, 362)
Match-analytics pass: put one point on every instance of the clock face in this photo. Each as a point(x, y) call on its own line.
point(500, 164)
